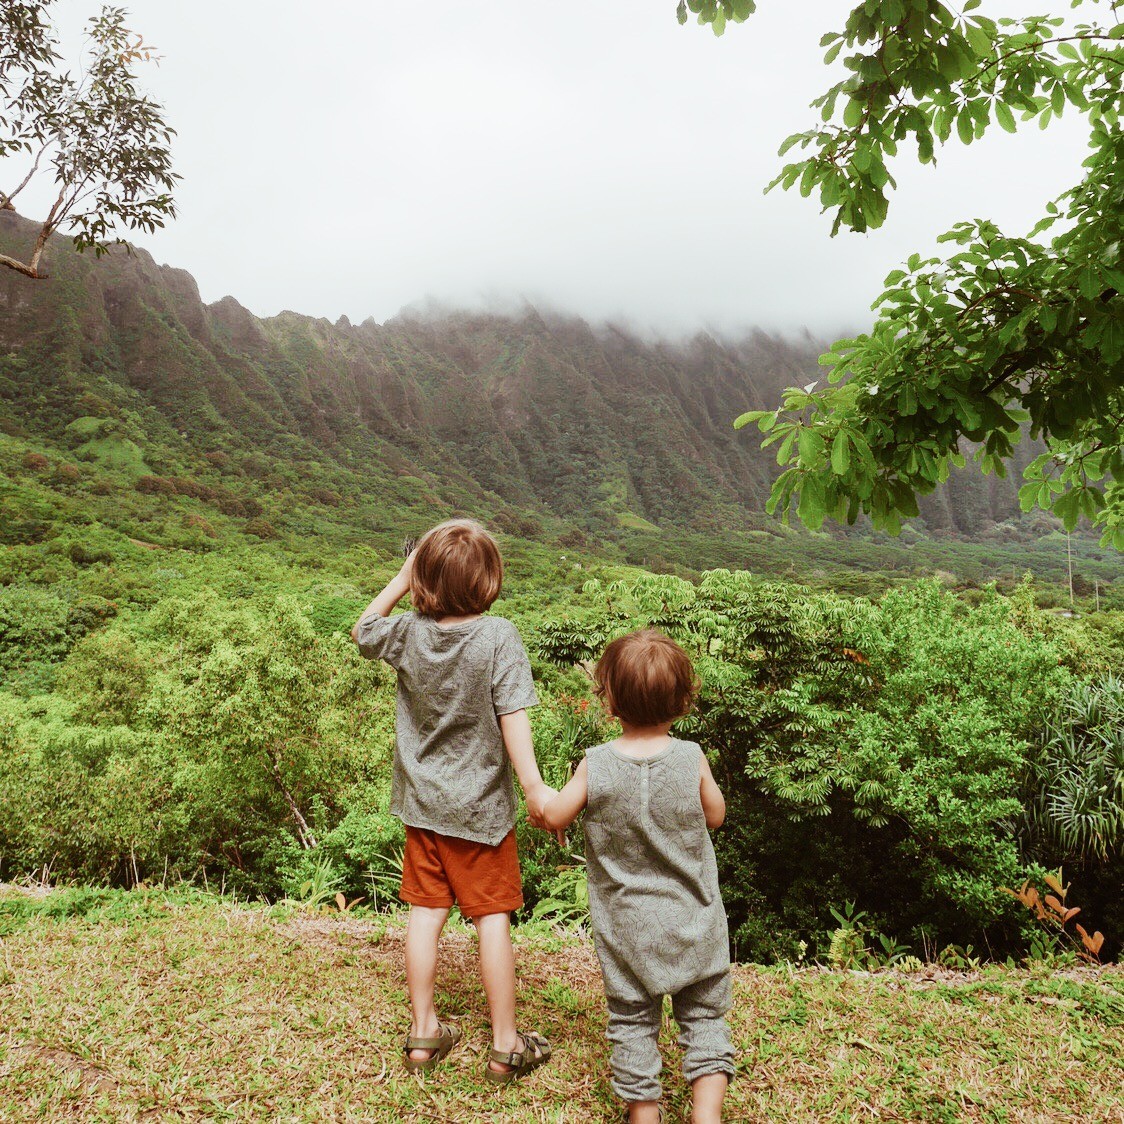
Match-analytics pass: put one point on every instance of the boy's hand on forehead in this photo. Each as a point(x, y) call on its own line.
point(408, 565)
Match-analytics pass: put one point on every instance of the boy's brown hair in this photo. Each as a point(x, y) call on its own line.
point(646, 679)
point(457, 570)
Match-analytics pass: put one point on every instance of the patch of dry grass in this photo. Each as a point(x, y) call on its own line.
point(192, 1010)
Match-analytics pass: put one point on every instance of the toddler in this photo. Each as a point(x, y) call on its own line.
point(659, 925)
point(464, 683)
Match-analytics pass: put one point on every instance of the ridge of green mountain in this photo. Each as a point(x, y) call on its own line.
point(540, 422)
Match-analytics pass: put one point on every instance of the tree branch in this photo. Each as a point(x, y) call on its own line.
point(5, 200)
point(20, 267)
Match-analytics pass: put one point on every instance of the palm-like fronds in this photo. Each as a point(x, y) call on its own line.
point(1075, 781)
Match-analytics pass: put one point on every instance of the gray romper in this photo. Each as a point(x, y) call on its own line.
point(658, 921)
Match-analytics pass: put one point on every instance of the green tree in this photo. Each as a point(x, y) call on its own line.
point(1007, 333)
point(106, 143)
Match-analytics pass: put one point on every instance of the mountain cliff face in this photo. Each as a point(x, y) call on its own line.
point(533, 416)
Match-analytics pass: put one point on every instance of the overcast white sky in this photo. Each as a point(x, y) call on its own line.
point(590, 155)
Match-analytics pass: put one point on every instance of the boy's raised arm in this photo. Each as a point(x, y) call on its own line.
point(391, 594)
point(563, 809)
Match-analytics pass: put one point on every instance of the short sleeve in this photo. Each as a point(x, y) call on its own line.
point(512, 686)
point(383, 638)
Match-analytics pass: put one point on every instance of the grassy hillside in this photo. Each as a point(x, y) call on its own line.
point(150, 1006)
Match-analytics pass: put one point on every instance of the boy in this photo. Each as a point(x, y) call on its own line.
point(658, 921)
point(464, 683)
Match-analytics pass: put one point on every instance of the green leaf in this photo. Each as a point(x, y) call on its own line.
point(811, 446)
point(743, 420)
point(966, 126)
point(1112, 340)
point(811, 507)
point(785, 451)
point(840, 454)
point(1057, 99)
point(1067, 508)
point(853, 113)
point(1089, 282)
point(1005, 117)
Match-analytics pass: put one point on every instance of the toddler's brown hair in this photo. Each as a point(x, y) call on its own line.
point(646, 679)
point(457, 570)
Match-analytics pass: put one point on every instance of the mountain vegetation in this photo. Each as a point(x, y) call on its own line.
point(197, 416)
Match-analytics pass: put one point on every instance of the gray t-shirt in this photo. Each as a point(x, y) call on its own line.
point(451, 771)
point(658, 920)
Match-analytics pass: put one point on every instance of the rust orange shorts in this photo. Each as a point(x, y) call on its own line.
point(438, 870)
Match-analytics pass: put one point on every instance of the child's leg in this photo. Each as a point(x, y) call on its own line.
point(497, 970)
point(634, 1030)
point(422, 934)
point(707, 1094)
point(708, 1055)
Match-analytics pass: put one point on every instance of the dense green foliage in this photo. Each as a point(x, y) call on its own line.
point(870, 752)
point(1008, 331)
point(217, 724)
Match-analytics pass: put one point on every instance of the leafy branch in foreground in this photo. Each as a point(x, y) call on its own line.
point(106, 143)
point(1006, 334)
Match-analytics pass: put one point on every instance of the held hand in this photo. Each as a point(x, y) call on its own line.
point(537, 800)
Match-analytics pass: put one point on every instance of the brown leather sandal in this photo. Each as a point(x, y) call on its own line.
point(448, 1037)
point(535, 1052)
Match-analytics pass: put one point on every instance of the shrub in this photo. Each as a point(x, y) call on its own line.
point(261, 529)
point(200, 524)
point(868, 752)
point(324, 496)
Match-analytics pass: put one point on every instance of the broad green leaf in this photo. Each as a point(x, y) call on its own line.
point(1089, 282)
point(811, 446)
point(1112, 340)
point(749, 416)
point(811, 508)
point(1005, 117)
point(853, 113)
point(840, 454)
point(966, 126)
